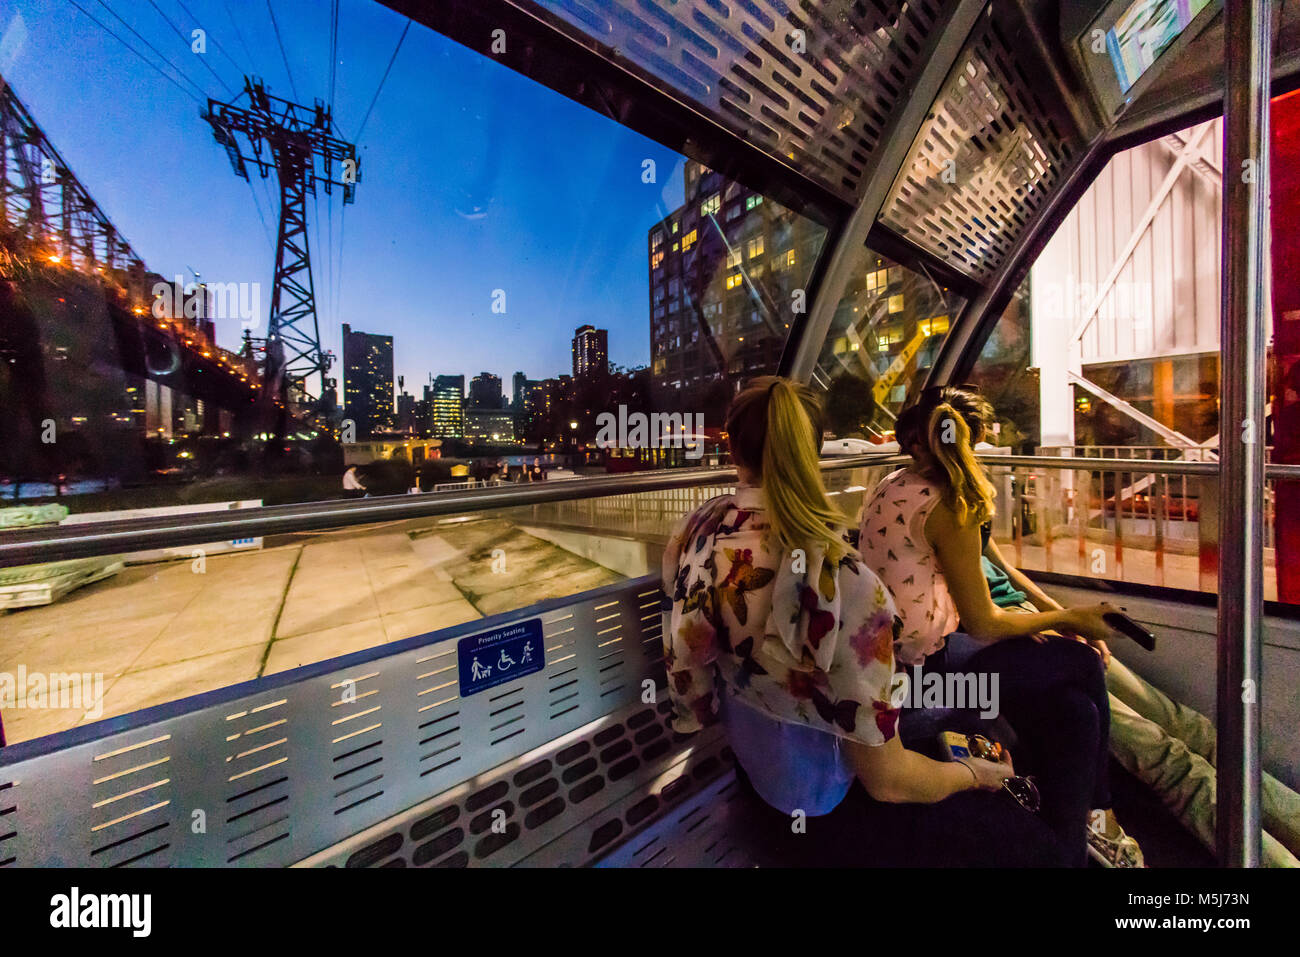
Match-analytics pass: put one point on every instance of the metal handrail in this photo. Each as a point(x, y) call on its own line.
point(1082, 463)
point(56, 543)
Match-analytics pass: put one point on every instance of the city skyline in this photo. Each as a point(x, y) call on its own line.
point(508, 396)
point(460, 195)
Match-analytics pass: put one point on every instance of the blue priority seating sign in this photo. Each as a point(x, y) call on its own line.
point(504, 654)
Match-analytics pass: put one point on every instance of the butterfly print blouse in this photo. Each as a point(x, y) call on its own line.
point(794, 635)
point(894, 546)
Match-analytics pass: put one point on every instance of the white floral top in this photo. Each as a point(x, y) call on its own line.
point(795, 636)
point(893, 544)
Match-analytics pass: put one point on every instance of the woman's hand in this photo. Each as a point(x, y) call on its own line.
point(1088, 622)
point(989, 775)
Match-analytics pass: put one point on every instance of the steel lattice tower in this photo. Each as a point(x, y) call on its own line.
point(299, 144)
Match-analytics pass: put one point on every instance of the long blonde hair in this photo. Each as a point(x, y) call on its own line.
point(775, 427)
point(947, 421)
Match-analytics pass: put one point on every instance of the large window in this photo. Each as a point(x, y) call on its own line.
point(493, 276)
point(1110, 348)
point(431, 241)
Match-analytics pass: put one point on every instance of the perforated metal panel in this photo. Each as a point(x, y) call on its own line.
point(275, 770)
point(562, 805)
point(703, 832)
point(986, 160)
point(810, 82)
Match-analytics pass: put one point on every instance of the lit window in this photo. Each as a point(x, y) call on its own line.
point(711, 205)
point(657, 260)
point(733, 281)
point(896, 303)
point(753, 201)
point(689, 239)
point(933, 326)
point(656, 239)
point(733, 258)
point(756, 247)
point(675, 246)
point(887, 337)
point(789, 258)
point(674, 228)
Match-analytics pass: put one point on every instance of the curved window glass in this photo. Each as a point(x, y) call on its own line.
point(242, 264)
point(1110, 349)
point(885, 334)
point(249, 263)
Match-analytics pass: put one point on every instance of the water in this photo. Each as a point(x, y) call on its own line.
point(48, 490)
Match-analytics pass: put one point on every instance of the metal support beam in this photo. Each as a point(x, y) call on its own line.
point(1172, 436)
point(1246, 56)
point(1205, 165)
point(844, 258)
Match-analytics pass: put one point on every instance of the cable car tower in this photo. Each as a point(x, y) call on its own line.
point(300, 145)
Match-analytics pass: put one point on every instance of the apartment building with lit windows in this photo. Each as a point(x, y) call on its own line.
point(367, 380)
point(590, 352)
point(726, 271)
point(485, 392)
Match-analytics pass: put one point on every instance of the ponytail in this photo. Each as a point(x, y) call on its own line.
point(967, 491)
point(774, 424)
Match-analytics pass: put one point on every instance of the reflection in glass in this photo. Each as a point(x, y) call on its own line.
point(886, 332)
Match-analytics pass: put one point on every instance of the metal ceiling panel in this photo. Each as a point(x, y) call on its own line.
point(987, 159)
point(812, 83)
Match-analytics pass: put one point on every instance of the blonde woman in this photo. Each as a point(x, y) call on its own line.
point(779, 631)
point(924, 530)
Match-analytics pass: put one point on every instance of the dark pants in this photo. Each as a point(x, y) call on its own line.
point(970, 829)
point(1054, 696)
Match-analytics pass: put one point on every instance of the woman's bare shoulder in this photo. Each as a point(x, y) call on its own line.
point(942, 522)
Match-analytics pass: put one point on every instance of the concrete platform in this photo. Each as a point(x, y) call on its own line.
point(157, 633)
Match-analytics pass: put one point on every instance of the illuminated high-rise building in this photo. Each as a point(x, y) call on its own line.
point(590, 352)
point(448, 399)
point(367, 380)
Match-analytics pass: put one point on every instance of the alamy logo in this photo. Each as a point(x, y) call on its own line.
point(75, 909)
point(952, 690)
point(213, 300)
point(658, 430)
point(57, 689)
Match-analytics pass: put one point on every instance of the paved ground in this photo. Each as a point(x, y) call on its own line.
point(163, 631)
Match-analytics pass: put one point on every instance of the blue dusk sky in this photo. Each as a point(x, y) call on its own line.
point(473, 177)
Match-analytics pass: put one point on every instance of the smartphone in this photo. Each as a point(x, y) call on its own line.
point(1127, 626)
